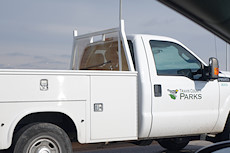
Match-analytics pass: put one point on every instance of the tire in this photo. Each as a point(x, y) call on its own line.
point(143, 142)
point(42, 137)
point(225, 135)
point(174, 143)
point(4, 151)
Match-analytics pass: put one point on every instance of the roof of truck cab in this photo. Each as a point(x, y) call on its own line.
point(153, 37)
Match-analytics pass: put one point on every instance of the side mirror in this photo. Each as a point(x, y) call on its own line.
point(213, 68)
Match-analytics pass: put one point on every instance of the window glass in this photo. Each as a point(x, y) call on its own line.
point(132, 52)
point(98, 51)
point(172, 59)
point(103, 55)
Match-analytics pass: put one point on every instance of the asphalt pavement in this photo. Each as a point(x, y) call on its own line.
point(129, 148)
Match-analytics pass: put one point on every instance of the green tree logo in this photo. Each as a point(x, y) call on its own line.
point(173, 94)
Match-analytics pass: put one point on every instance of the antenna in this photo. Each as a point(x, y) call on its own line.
point(120, 12)
point(119, 37)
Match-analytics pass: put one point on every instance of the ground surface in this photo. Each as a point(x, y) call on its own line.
point(129, 148)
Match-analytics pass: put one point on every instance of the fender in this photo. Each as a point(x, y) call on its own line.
point(75, 110)
point(224, 107)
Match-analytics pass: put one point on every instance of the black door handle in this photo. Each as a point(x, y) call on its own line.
point(157, 90)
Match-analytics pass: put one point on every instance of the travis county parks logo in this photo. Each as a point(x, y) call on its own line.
point(185, 94)
point(173, 93)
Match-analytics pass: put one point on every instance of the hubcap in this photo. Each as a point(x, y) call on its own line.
point(44, 145)
point(44, 150)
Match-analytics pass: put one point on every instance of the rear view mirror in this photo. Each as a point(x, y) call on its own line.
point(213, 68)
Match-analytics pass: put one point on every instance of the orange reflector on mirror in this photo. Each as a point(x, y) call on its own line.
point(216, 71)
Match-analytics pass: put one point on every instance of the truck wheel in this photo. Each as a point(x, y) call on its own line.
point(42, 138)
point(174, 143)
point(143, 142)
point(225, 135)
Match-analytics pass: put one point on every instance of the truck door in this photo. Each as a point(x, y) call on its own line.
point(183, 102)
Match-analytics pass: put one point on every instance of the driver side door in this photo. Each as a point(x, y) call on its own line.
point(183, 102)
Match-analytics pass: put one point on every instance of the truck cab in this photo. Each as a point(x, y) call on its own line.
point(176, 95)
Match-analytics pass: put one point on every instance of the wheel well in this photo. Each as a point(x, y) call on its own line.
point(59, 119)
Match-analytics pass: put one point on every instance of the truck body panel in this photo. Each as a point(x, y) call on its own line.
point(144, 87)
point(73, 93)
point(119, 107)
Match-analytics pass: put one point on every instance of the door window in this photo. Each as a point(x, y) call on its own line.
point(173, 59)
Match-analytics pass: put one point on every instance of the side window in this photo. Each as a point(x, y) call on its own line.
point(173, 59)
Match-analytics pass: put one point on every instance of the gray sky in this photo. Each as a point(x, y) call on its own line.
point(38, 33)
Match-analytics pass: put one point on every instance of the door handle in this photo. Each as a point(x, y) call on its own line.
point(157, 90)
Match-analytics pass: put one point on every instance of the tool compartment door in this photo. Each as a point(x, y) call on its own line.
point(113, 107)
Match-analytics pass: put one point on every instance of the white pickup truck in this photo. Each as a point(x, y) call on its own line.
point(135, 88)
